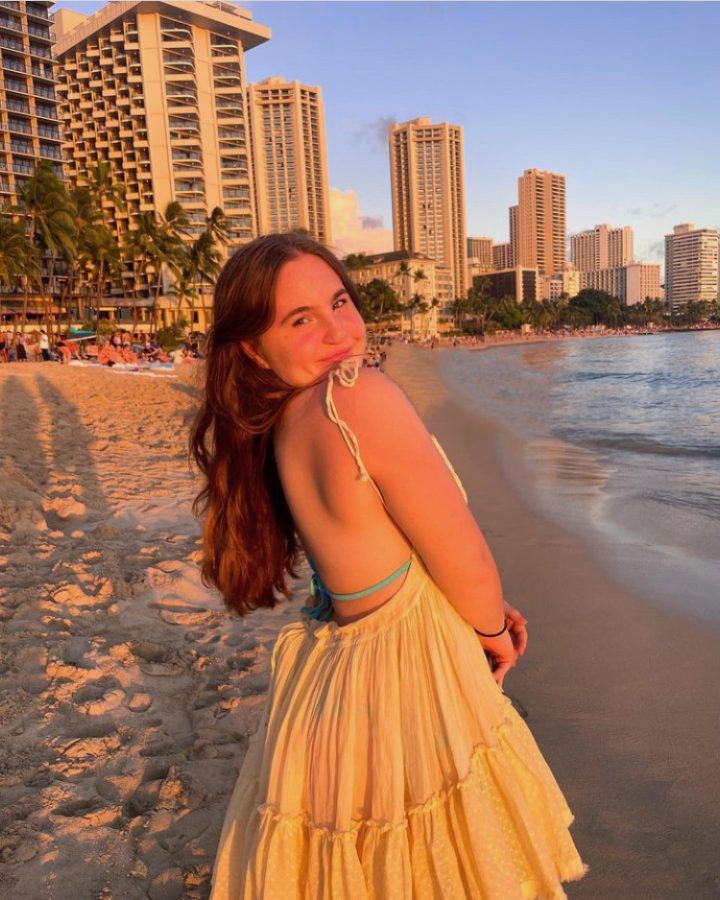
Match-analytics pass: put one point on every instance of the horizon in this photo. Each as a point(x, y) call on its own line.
point(580, 115)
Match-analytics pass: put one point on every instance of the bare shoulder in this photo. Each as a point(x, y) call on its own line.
point(373, 399)
point(380, 413)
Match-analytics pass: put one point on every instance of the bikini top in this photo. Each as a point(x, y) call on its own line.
point(346, 373)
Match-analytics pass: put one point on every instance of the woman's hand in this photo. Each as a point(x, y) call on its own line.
point(516, 623)
point(501, 654)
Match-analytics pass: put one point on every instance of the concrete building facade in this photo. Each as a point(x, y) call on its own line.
point(513, 226)
point(602, 247)
point(502, 257)
point(518, 282)
point(631, 284)
point(401, 278)
point(567, 282)
point(541, 221)
point(157, 91)
point(480, 249)
point(691, 265)
point(428, 198)
point(289, 157)
point(29, 120)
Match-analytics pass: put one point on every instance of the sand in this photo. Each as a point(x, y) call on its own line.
point(127, 693)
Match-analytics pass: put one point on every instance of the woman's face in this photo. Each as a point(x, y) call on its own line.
point(315, 323)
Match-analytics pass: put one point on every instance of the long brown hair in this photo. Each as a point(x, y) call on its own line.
point(249, 538)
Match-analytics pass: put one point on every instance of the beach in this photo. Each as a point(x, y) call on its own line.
point(127, 693)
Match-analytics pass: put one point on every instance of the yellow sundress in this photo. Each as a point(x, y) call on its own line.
point(389, 765)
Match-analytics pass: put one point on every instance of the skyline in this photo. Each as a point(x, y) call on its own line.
point(641, 161)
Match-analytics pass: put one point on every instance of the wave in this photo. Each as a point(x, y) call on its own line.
point(640, 444)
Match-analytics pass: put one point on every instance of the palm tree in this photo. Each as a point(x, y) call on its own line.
point(14, 251)
point(87, 217)
point(355, 261)
point(168, 247)
point(102, 188)
point(45, 206)
point(201, 264)
point(103, 261)
point(138, 248)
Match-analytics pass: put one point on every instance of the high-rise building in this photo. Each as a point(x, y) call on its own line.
point(691, 265)
point(502, 257)
point(290, 173)
point(541, 232)
point(631, 284)
point(602, 247)
point(480, 249)
point(516, 282)
point(28, 104)
point(156, 89)
point(428, 194)
point(513, 225)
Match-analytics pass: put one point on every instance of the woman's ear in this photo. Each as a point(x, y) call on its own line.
point(254, 355)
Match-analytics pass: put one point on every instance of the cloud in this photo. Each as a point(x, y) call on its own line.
point(371, 222)
point(354, 232)
point(656, 211)
point(375, 133)
point(656, 250)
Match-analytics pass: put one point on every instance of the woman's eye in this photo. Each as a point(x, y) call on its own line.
point(341, 300)
point(299, 321)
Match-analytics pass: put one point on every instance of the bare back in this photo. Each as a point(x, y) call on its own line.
point(340, 519)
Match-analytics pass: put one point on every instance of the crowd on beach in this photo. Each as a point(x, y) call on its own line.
point(122, 347)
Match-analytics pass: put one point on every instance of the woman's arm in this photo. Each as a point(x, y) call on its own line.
point(423, 498)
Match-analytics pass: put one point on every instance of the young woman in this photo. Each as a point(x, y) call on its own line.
point(388, 762)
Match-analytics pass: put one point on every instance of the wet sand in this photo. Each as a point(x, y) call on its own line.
point(127, 694)
point(620, 695)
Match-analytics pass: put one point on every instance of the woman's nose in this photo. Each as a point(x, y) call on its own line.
point(335, 331)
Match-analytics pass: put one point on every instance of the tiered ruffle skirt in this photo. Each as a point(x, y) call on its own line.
point(389, 765)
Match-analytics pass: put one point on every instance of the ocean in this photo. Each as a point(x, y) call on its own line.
point(620, 443)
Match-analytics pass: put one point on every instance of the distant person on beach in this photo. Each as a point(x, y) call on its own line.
point(113, 352)
point(20, 351)
point(44, 345)
point(387, 755)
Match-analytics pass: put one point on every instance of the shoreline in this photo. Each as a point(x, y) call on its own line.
point(614, 685)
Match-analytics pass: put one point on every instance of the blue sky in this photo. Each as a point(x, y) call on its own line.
point(620, 97)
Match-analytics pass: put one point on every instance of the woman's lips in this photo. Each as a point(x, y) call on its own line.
point(336, 357)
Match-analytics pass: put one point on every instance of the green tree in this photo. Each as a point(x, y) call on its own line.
point(16, 253)
point(45, 207)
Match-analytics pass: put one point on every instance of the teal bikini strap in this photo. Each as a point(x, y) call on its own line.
point(323, 610)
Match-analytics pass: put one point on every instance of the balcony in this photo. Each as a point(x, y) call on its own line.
point(14, 65)
point(45, 72)
point(8, 43)
point(11, 24)
point(22, 147)
point(12, 7)
point(23, 168)
point(49, 134)
point(50, 152)
point(43, 33)
point(36, 11)
point(19, 127)
point(42, 52)
point(17, 87)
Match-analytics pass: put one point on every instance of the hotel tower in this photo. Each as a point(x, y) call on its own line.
point(541, 230)
point(602, 247)
point(428, 198)
point(691, 265)
point(290, 174)
point(29, 122)
point(156, 89)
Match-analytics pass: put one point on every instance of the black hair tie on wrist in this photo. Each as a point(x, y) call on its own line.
point(497, 633)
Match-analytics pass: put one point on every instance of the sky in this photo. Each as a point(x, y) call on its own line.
point(619, 97)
